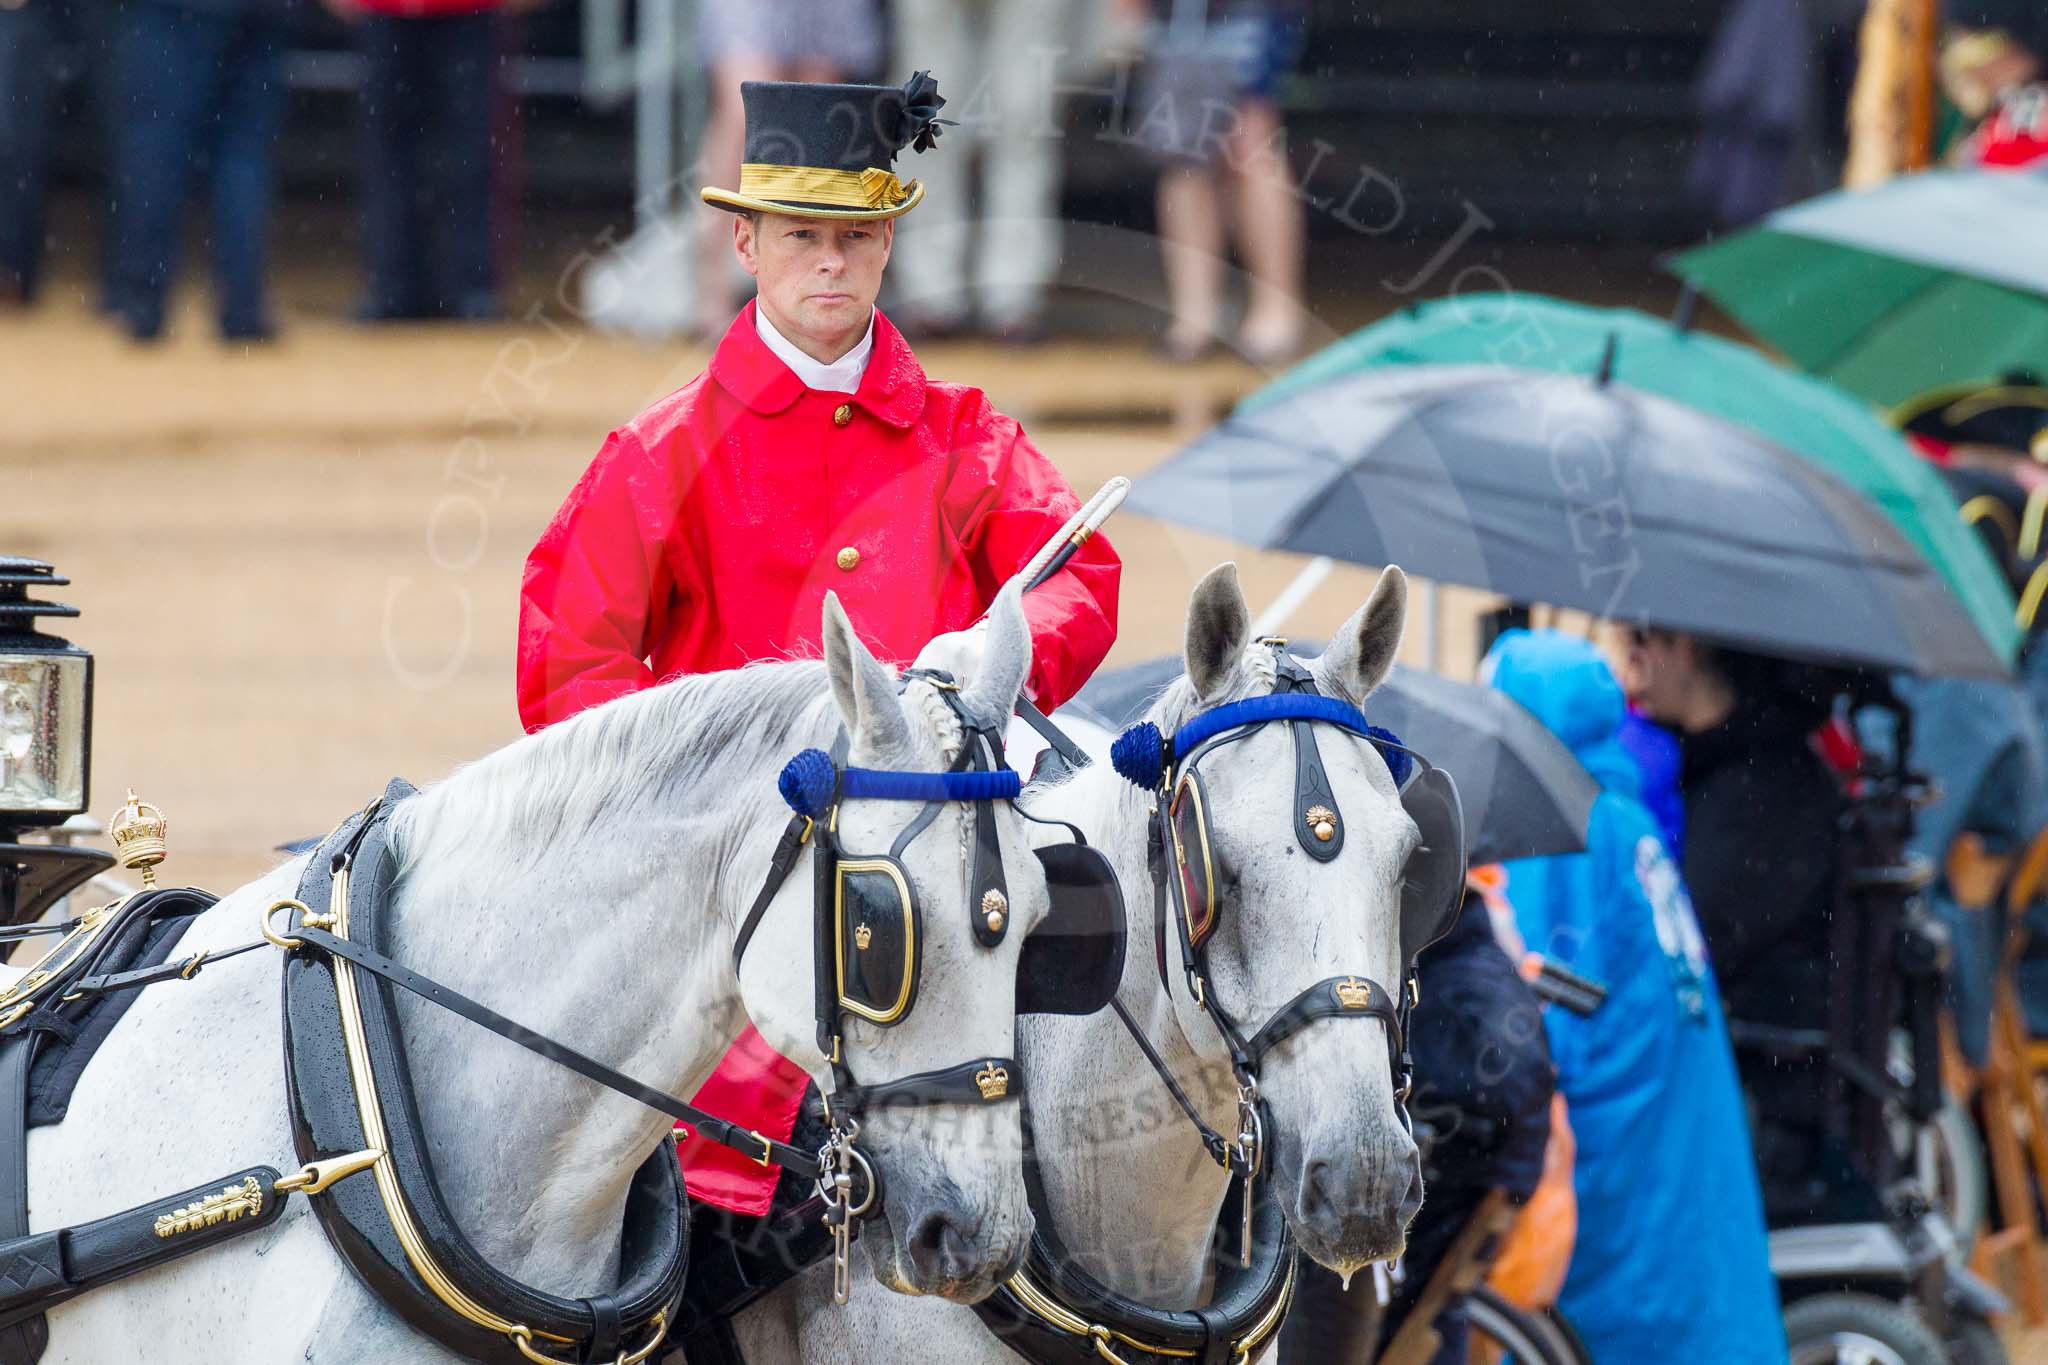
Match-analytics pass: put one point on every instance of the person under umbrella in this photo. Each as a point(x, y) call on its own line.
point(1762, 819)
point(1648, 1076)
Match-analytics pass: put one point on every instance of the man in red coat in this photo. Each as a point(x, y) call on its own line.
point(812, 455)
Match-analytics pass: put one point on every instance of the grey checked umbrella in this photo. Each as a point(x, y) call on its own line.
point(1572, 491)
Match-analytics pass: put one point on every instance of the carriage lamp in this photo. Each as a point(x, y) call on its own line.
point(45, 704)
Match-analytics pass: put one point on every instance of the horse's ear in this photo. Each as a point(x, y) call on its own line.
point(1005, 658)
point(1219, 628)
point(864, 690)
point(1358, 658)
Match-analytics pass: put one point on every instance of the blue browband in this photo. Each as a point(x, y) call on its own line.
point(810, 784)
point(1141, 754)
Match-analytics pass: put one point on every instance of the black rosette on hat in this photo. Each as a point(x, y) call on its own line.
point(919, 124)
point(828, 150)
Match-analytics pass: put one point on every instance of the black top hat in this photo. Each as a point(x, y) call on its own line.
point(826, 151)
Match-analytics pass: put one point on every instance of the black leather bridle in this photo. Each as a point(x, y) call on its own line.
point(1156, 763)
point(815, 784)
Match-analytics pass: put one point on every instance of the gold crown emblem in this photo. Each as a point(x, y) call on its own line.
point(995, 909)
point(1322, 822)
point(993, 1081)
point(1352, 993)
point(862, 936)
point(137, 830)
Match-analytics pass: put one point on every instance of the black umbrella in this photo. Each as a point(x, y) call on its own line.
point(1525, 795)
point(1554, 488)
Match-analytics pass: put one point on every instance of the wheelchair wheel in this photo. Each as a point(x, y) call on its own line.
point(1856, 1329)
point(1950, 1159)
point(1501, 1332)
point(1974, 1343)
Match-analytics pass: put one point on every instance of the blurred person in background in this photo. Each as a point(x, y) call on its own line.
point(991, 263)
point(429, 104)
point(43, 45)
point(1208, 107)
point(1763, 812)
point(1981, 742)
point(195, 81)
point(1648, 1077)
point(820, 41)
point(1991, 70)
point(1986, 743)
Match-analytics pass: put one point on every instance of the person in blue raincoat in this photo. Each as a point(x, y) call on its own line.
point(1671, 1257)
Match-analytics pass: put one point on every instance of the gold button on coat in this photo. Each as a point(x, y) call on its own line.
point(841, 415)
point(849, 559)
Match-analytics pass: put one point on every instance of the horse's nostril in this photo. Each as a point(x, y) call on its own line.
point(1411, 1202)
point(940, 1248)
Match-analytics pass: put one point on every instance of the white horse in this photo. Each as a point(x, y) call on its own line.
point(1132, 1192)
point(587, 880)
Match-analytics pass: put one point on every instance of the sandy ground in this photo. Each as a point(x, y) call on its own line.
point(298, 566)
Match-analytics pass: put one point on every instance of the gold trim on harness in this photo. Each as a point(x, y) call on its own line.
point(894, 1011)
point(229, 1205)
point(375, 1137)
point(20, 998)
point(1042, 1305)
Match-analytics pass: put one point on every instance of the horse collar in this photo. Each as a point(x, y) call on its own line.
point(1053, 1312)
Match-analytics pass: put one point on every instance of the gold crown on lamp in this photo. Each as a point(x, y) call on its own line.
point(1352, 993)
point(137, 830)
point(993, 1081)
point(862, 936)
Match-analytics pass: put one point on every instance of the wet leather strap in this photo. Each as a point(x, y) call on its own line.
point(719, 1130)
point(992, 1081)
point(47, 1268)
point(22, 1342)
point(1340, 997)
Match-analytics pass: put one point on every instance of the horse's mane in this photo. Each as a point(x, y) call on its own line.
point(691, 745)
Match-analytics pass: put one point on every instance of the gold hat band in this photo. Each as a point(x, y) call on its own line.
point(873, 188)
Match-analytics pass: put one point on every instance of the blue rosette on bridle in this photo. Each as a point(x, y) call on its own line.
point(1141, 754)
point(809, 783)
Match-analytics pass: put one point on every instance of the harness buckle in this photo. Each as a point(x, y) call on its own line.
point(767, 1149)
point(836, 1161)
point(288, 942)
point(318, 1175)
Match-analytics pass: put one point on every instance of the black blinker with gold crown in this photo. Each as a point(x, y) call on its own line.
point(829, 151)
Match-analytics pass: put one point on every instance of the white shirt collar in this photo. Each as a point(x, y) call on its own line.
point(841, 376)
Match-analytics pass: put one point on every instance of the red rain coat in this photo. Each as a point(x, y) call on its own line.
point(706, 533)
